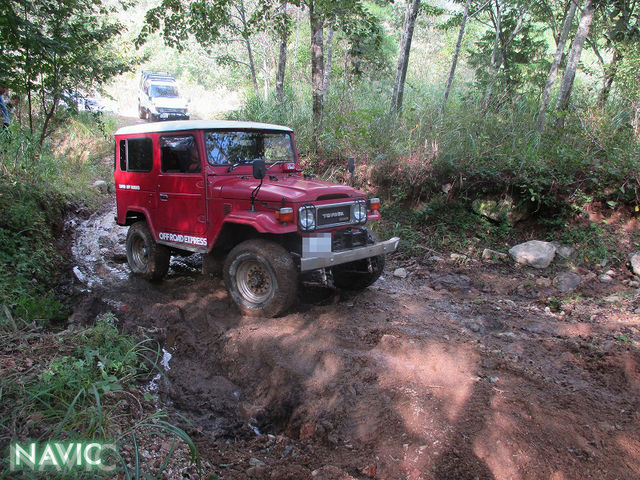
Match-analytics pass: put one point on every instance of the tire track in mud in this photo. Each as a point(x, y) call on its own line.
point(436, 376)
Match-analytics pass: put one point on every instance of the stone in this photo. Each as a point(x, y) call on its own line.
point(503, 210)
point(488, 255)
point(567, 281)
point(612, 299)
point(400, 272)
point(543, 282)
point(79, 275)
point(635, 263)
point(634, 284)
point(534, 253)
point(564, 251)
point(254, 462)
point(611, 273)
point(458, 257)
point(101, 185)
point(604, 278)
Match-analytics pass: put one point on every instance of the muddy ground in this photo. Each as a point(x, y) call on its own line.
point(459, 371)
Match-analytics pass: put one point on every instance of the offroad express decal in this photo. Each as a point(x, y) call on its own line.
point(179, 238)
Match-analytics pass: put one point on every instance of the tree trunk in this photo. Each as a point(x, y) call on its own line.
point(326, 78)
point(553, 71)
point(454, 62)
point(317, 68)
point(574, 59)
point(493, 66)
point(247, 43)
point(282, 58)
point(609, 76)
point(410, 16)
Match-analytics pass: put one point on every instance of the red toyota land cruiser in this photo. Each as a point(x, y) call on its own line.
point(235, 192)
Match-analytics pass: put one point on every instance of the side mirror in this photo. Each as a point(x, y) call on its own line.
point(351, 165)
point(259, 169)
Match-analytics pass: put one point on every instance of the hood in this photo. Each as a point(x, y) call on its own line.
point(169, 102)
point(293, 189)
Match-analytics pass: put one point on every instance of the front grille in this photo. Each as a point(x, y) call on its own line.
point(333, 215)
point(350, 238)
point(175, 111)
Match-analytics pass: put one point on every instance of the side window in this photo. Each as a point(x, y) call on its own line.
point(123, 155)
point(137, 155)
point(179, 154)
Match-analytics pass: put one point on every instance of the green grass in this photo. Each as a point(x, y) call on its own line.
point(87, 390)
point(36, 190)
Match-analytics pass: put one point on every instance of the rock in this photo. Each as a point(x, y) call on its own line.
point(612, 299)
point(634, 284)
point(488, 254)
point(566, 282)
point(254, 462)
point(564, 251)
point(543, 282)
point(474, 327)
point(635, 263)
point(604, 278)
point(256, 472)
point(611, 273)
point(458, 257)
point(435, 258)
point(534, 253)
point(329, 472)
point(503, 210)
point(101, 185)
point(400, 272)
point(79, 275)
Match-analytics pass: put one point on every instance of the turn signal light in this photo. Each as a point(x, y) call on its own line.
point(374, 204)
point(285, 215)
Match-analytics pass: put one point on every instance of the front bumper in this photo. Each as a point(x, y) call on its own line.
point(346, 256)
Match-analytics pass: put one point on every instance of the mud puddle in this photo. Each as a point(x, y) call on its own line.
point(454, 372)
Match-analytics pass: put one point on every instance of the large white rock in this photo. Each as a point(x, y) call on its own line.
point(534, 253)
point(635, 264)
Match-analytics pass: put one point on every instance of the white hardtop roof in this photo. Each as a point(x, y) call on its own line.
point(181, 125)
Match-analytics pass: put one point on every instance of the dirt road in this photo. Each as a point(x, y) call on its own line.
point(456, 372)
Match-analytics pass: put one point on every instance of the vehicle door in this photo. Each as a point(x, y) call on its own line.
point(181, 207)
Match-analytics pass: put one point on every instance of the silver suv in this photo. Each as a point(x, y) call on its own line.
point(159, 98)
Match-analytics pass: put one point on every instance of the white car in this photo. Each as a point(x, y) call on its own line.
point(159, 98)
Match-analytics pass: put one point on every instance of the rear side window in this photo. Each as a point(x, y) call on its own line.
point(136, 155)
point(179, 154)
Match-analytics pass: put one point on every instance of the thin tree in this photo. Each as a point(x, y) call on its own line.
point(574, 58)
point(411, 13)
point(282, 57)
point(454, 62)
point(328, 64)
point(316, 22)
point(555, 65)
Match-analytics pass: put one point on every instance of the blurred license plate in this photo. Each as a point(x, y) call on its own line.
point(316, 245)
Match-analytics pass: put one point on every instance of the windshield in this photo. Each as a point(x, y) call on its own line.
point(168, 91)
point(230, 148)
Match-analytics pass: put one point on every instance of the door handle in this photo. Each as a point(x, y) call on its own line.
point(164, 196)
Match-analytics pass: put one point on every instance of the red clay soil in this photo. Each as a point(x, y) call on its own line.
point(456, 372)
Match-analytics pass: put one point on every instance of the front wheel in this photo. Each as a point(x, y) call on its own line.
point(146, 258)
point(261, 278)
point(360, 274)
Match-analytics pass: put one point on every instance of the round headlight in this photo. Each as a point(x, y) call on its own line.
point(307, 218)
point(360, 211)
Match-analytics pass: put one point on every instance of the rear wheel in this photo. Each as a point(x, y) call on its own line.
point(141, 112)
point(146, 258)
point(359, 274)
point(261, 278)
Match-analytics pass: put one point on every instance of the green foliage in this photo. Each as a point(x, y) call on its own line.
point(54, 47)
point(33, 199)
point(80, 393)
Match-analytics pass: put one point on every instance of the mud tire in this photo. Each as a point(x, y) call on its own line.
point(356, 275)
point(146, 258)
point(261, 278)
